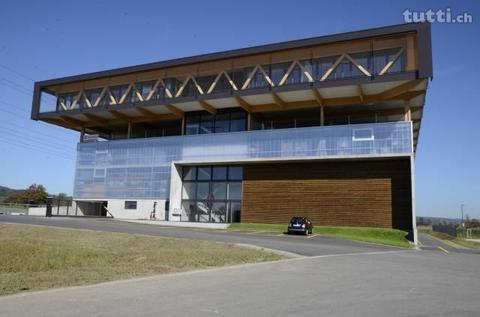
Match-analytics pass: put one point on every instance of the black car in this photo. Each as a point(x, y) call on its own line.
point(300, 224)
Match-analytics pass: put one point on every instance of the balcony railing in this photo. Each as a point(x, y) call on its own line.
point(140, 168)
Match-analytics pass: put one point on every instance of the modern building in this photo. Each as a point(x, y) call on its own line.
point(325, 127)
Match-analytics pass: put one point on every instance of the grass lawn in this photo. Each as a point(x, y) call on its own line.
point(38, 257)
point(374, 235)
point(455, 242)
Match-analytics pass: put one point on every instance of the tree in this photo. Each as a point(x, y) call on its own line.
point(62, 196)
point(35, 194)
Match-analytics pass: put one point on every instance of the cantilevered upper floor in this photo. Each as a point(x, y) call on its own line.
point(375, 75)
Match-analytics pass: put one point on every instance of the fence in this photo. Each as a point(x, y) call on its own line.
point(447, 228)
point(14, 209)
point(54, 207)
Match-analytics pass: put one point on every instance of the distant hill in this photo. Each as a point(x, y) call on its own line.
point(6, 191)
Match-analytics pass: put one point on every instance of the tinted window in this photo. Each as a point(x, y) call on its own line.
point(219, 173)
point(235, 173)
point(204, 173)
point(189, 173)
point(130, 204)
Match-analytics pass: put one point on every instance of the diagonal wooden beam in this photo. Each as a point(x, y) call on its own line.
point(390, 63)
point(400, 89)
point(250, 77)
point(175, 110)
point(207, 107)
point(285, 77)
point(360, 93)
point(154, 88)
point(331, 69)
point(125, 94)
point(96, 118)
point(410, 94)
point(77, 99)
point(357, 65)
point(318, 97)
point(278, 100)
point(147, 113)
point(99, 99)
point(73, 121)
point(243, 104)
point(120, 116)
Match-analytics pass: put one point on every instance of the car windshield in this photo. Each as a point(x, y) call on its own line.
point(297, 220)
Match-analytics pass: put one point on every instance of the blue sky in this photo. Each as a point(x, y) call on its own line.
point(47, 39)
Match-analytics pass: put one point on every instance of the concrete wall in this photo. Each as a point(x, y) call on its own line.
point(62, 210)
point(144, 208)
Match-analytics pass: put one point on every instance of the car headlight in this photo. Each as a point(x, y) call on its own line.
point(303, 226)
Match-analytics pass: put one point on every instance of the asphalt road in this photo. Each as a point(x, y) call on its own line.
point(336, 278)
point(385, 283)
point(311, 246)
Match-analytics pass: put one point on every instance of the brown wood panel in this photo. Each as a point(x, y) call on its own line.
point(348, 193)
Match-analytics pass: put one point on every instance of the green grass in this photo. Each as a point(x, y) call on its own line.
point(38, 257)
point(373, 235)
point(453, 241)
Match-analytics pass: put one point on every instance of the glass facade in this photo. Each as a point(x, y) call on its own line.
point(223, 121)
point(211, 193)
point(141, 168)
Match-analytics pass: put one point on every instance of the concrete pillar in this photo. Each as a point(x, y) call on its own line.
point(82, 135)
point(175, 190)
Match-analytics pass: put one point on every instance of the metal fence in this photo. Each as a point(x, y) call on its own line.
point(446, 228)
point(14, 209)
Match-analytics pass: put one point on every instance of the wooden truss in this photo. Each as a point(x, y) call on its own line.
point(160, 84)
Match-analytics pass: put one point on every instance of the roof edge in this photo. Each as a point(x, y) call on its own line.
point(423, 29)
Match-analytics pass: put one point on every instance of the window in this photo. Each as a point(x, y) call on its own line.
point(212, 193)
point(235, 173)
point(130, 204)
point(235, 191)
point(204, 173)
point(383, 57)
point(118, 91)
point(224, 121)
point(145, 88)
point(189, 173)
point(219, 173)
point(192, 124)
point(207, 124)
point(363, 135)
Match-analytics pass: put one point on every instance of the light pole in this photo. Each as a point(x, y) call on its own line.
point(461, 208)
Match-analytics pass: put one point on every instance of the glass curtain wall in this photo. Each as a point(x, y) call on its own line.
point(226, 120)
point(212, 194)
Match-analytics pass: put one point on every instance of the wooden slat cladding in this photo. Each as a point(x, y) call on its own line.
point(354, 193)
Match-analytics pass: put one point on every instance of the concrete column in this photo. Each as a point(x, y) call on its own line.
point(175, 190)
point(322, 116)
point(82, 135)
point(414, 212)
point(129, 130)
